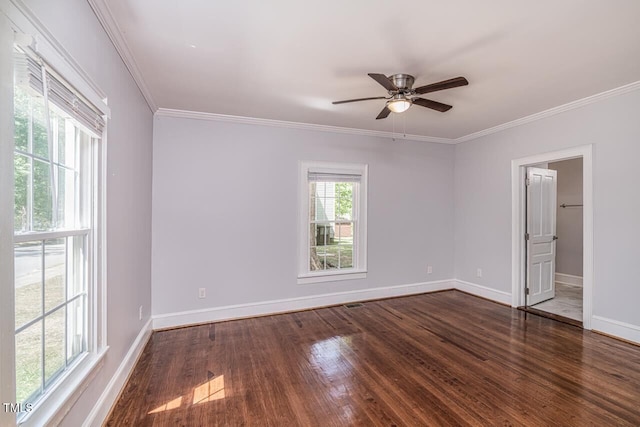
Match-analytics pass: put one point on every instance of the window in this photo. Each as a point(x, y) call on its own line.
point(333, 222)
point(56, 218)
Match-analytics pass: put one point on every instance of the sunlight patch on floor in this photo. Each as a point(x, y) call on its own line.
point(205, 392)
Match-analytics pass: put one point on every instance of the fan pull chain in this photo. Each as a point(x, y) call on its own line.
point(393, 127)
point(404, 126)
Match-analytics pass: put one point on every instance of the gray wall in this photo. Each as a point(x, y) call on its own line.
point(225, 211)
point(74, 25)
point(569, 219)
point(483, 198)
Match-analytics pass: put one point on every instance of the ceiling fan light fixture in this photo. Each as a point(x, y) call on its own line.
point(399, 104)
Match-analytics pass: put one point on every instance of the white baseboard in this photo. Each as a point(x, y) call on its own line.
point(616, 328)
point(102, 407)
point(568, 279)
point(171, 320)
point(484, 292)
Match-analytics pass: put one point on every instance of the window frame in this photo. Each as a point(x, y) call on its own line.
point(359, 269)
point(22, 29)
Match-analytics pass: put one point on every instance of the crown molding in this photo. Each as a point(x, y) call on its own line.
point(167, 112)
point(552, 111)
point(111, 27)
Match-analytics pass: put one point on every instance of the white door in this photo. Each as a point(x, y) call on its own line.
point(541, 234)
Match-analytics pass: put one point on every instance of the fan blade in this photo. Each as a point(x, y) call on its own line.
point(434, 105)
point(356, 100)
point(383, 80)
point(384, 113)
point(445, 84)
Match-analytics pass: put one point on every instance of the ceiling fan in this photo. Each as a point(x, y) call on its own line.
point(402, 94)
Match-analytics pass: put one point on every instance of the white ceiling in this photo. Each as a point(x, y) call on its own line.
point(288, 59)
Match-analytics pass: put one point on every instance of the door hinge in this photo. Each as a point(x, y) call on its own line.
point(526, 236)
point(527, 182)
point(526, 291)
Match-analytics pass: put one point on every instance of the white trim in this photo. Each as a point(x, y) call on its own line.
point(552, 111)
point(333, 276)
point(115, 386)
point(518, 227)
point(484, 292)
point(7, 288)
point(46, 235)
point(568, 279)
point(616, 328)
point(105, 16)
point(101, 243)
point(193, 317)
point(65, 393)
point(182, 114)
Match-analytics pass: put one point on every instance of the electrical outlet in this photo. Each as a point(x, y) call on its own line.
point(429, 269)
point(140, 313)
point(479, 272)
point(202, 293)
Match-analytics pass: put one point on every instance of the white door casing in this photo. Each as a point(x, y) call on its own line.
point(541, 232)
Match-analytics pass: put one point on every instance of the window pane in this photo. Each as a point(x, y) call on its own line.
point(324, 200)
point(38, 126)
point(54, 273)
point(76, 280)
point(346, 256)
point(331, 231)
point(331, 257)
point(76, 342)
point(316, 261)
point(66, 198)
point(54, 343)
point(344, 200)
point(29, 361)
point(61, 139)
point(323, 234)
point(313, 235)
point(41, 196)
point(344, 233)
point(22, 177)
point(312, 201)
point(21, 119)
point(28, 282)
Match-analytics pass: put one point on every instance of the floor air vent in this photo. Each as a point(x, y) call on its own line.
point(354, 305)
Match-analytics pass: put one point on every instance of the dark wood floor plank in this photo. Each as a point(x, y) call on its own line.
point(444, 358)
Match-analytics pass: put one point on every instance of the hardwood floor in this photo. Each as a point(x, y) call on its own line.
point(443, 358)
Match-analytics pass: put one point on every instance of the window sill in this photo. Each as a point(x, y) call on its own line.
point(56, 403)
point(304, 279)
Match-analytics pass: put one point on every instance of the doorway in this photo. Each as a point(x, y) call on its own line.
point(519, 229)
point(554, 248)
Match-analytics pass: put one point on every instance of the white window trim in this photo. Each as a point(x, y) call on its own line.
point(360, 213)
point(53, 406)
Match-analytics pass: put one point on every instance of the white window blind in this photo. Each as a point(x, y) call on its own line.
point(333, 177)
point(30, 71)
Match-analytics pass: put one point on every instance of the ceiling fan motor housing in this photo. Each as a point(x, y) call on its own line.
point(404, 82)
